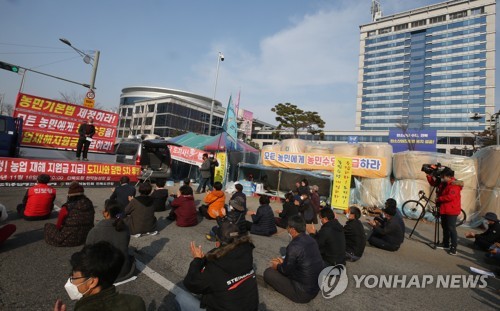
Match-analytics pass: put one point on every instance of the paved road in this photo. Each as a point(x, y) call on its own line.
point(33, 274)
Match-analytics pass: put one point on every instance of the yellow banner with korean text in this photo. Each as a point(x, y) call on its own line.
point(341, 189)
point(220, 171)
point(362, 166)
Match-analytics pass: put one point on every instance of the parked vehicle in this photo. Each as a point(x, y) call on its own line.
point(152, 155)
point(11, 130)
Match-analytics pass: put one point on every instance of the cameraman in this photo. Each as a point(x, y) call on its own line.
point(448, 200)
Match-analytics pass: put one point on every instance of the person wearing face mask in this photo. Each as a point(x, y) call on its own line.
point(296, 275)
point(224, 277)
point(489, 237)
point(355, 237)
point(94, 270)
point(330, 238)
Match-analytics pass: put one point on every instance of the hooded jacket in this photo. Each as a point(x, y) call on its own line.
point(331, 242)
point(448, 196)
point(225, 281)
point(215, 200)
point(140, 215)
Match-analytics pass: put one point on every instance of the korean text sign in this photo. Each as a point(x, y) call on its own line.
point(53, 124)
point(341, 189)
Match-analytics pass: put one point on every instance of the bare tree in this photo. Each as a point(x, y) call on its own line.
point(404, 128)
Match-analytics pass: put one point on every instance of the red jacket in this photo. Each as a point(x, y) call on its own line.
point(39, 200)
point(448, 196)
point(185, 211)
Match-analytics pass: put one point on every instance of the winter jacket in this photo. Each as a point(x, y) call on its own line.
point(110, 300)
point(307, 211)
point(215, 200)
point(331, 242)
point(121, 194)
point(303, 263)
point(355, 237)
point(86, 130)
point(240, 195)
point(106, 231)
point(263, 221)
point(227, 282)
point(75, 226)
point(185, 211)
point(160, 199)
point(390, 232)
point(289, 210)
point(39, 200)
point(205, 168)
point(491, 235)
point(448, 195)
point(140, 215)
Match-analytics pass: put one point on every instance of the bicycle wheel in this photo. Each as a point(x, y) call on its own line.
point(461, 218)
point(412, 209)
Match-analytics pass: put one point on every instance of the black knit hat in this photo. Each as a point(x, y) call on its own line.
point(75, 189)
point(227, 232)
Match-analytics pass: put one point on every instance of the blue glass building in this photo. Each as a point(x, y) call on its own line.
point(429, 68)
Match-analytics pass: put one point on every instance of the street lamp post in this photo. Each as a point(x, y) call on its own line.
point(86, 59)
point(477, 116)
point(220, 57)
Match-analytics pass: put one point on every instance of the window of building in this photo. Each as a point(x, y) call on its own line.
point(458, 15)
point(477, 11)
point(384, 30)
point(437, 19)
point(138, 109)
point(454, 140)
point(149, 121)
point(418, 23)
point(371, 33)
point(401, 27)
point(129, 112)
point(151, 108)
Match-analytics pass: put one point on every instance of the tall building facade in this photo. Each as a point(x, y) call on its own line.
point(428, 68)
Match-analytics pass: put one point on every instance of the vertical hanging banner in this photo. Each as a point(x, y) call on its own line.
point(220, 171)
point(50, 123)
point(341, 183)
point(229, 125)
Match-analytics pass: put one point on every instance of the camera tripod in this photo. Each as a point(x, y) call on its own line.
point(427, 207)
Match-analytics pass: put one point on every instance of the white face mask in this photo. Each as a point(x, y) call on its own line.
point(290, 236)
point(347, 215)
point(72, 290)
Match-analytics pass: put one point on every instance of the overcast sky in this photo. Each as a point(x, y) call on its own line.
point(300, 51)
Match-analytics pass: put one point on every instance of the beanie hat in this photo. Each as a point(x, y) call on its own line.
point(390, 210)
point(238, 204)
point(227, 232)
point(75, 189)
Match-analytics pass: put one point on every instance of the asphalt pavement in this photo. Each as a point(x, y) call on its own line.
point(33, 274)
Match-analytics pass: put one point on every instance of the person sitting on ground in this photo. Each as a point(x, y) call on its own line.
point(305, 209)
point(315, 202)
point(387, 234)
point(74, 222)
point(398, 217)
point(140, 213)
point(225, 276)
point(38, 201)
point(7, 230)
point(355, 237)
point(235, 215)
point(484, 240)
point(296, 275)
point(494, 252)
point(263, 220)
point(160, 196)
point(214, 203)
point(94, 270)
point(303, 187)
point(113, 229)
point(183, 208)
point(330, 238)
point(289, 210)
point(122, 192)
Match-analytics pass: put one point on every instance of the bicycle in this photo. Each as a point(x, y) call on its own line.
point(416, 209)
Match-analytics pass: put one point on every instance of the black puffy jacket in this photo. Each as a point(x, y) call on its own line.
point(303, 263)
point(263, 221)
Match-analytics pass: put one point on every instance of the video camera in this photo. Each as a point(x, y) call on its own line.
point(433, 169)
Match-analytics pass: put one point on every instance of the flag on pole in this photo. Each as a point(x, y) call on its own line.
point(237, 105)
point(230, 125)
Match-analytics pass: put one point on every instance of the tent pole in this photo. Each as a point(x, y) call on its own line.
point(279, 181)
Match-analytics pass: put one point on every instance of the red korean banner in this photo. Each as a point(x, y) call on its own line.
point(186, 154)
point(52, 124)
point(27, 170)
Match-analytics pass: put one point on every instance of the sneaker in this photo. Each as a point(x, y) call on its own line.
point(442, 246)
point(453, 251)
point(152, 233)
point(138, 235)
point(210, 237)
point(85, 159)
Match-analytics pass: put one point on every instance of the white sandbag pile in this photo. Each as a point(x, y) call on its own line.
point(345, 149)
point(378, 150)
point(293, 145)
point(319, 149)
point(408, 189)
point(275, 147)
point(488, 160)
